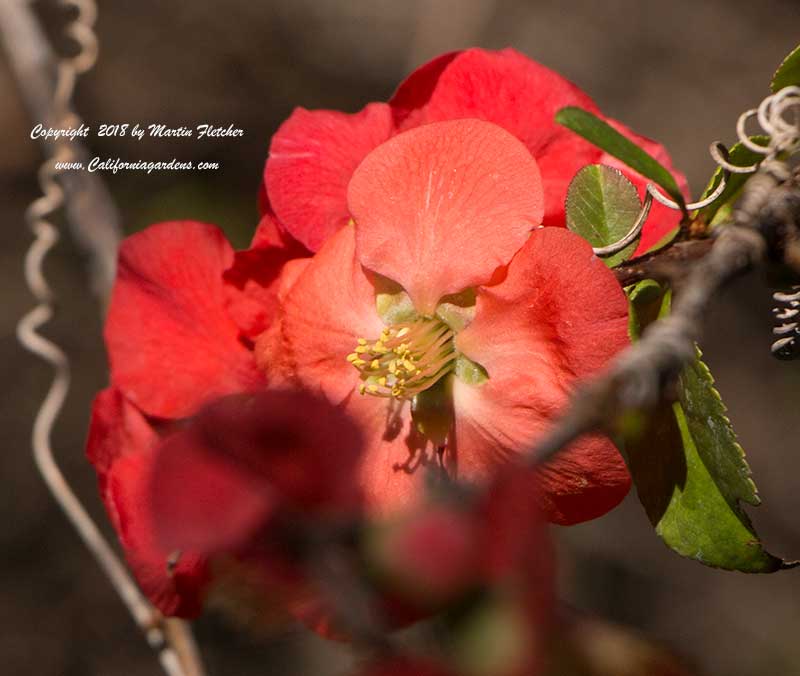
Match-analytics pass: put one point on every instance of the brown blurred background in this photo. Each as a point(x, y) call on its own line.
point(679, 71)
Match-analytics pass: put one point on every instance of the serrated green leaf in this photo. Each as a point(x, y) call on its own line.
point(690, 472)
point(741, 156)
point(788, 72)
point(602, 206)
point(604, 136)
point(713, 433)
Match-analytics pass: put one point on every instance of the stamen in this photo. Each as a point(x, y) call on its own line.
point(406, 359)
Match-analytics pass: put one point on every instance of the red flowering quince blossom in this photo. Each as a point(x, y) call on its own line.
point(452, 326)
point(505, 320)
point(314, 153)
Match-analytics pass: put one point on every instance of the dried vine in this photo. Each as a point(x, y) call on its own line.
point(51, 100)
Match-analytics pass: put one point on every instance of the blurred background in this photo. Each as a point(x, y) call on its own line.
point(679, 71)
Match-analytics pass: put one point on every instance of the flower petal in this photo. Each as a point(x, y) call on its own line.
point(439, 208)
point(558, 316)
point(397, 458)
point(311, 159)
point(512, 91)
point(203, 502)
point(522, 96)
point(121, 446)
point(171, 344)
point(328, 308)
point(330, 305)
point(251, 283)
point(409, 100)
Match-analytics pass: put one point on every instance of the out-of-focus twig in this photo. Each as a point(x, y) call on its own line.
point(95, 225)
point(764, 226)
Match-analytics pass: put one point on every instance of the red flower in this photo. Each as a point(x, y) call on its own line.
point(248, 460)
point(314, 153)
point(181, 311)
point(452, 543)
point(122, 447)
point(485, 560)
point(404, 666)
point(467, 323)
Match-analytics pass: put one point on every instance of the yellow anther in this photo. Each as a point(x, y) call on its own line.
point(406, 359)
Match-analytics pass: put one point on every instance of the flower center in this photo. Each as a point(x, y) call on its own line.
point(408, 358)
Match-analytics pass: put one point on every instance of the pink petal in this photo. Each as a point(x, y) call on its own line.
point(312, 157)
point(558, 317)
point(439, 208)
point(251, 283)
point(514, 92)
point(171, 343)
point(121, 447)
point(330, 305)
point(397, 459)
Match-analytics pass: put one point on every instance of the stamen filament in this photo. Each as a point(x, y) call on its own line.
point(406, 359)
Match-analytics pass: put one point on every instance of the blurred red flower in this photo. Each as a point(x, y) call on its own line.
point(182, 307)
point(314, 153)
point(494, 579)
point(219, 484)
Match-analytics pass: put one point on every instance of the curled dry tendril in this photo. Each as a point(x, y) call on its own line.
point(778, 115)
point(159, 634)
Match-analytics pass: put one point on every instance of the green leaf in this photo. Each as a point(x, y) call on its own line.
point(604, 136)
point(645, 299)
point(602, 206)
point(690, 471)
point(788, 72)
point(741, 156)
